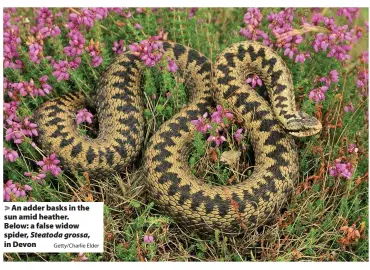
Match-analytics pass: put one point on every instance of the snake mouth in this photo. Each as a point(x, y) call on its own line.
point(305, 132)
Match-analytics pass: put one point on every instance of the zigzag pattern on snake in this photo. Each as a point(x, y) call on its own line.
point(189, 200)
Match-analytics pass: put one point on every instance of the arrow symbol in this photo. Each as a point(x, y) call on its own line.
point(7, 208)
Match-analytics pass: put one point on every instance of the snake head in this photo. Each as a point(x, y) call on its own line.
point(303, 125)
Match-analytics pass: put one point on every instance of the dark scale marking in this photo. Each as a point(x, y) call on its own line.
point(185, 193)
point(241, 99)
point(197, 199)
point(163, 153)
point(251, 107)
point(55, 121)
point(226, 79)
point(131, 57)
point(66, 142)
point(127, 108)
point(178, 50)
point(205, 67)
point(241, 203)
point(267, 124)
point(109, 155)
point(166, 177)
point(230, 59)
point(183, 123)
point(260, 114)
point(250, 198)
point(174, 187)
point(55, 109)
point(120, 148)
point(271, 62)
point(241, 52)
point(209, 205)
point(193, 55)
point(90, 155)
point(277, 154)
point(279, 88)
point(166, 46)
point(60, 102)
point(280, 100)
point(223, 205)
point(76, 150)
point(59, 133)
point(275, 76)
point(274, 137)
point(163, 166)
point(231, 89)
point(101, 155)
point(122, 84)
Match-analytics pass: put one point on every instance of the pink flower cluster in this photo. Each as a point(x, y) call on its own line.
point(10, 154)
point(84, 115)
point(253, 19)
point(94, 50)
point(216, 125)
point(76, 44)
point(86, 17)
point(25, 88)
point(16, 130)
point(254, 80)
point(39, 177)
point(45, 24)
point(149, 50)
point(349, 13)
point(363, 74)
point(119, 46)
point(337, 40)
point(318, 94)
point(342, 169)
point(61, 68)
point(50, 164)
point(282, 29)
point(12, 191)
point(11, 41)
point(148, 239)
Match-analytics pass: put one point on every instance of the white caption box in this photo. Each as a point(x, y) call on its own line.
point(53, 227)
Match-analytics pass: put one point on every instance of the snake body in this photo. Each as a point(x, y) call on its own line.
point(189, 200)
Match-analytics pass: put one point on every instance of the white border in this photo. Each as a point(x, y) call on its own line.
point(171, 265)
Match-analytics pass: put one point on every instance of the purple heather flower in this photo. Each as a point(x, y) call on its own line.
point(201, 124)
point(29, 129)
point(238, 135)
point(352, 148)
point(148, 239)
point(35, 52)
point(84, 115)
point(349, 13)
point(349, 107)
point(49, 164)
point(77, 42)
point(138, 26)
point(10, 154)
point(192, 12)
point(61, 70)
point(10, 110)
point(172, 66)
point(149, 50)
point(119, 47)
point(39, 177)
point(254, 80)
point(82, 257)
point(333, 75)
point(341, 169)
point(46, 88)
point(219, 114)
point(13, 132)
point(318, 94)
point(218, 139)
point(12, 191)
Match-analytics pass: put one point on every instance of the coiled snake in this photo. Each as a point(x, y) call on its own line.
point(189, 200)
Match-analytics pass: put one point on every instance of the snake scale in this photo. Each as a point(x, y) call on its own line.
point(175, 190)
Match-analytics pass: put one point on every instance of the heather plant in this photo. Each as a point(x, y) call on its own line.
point(52, 51)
